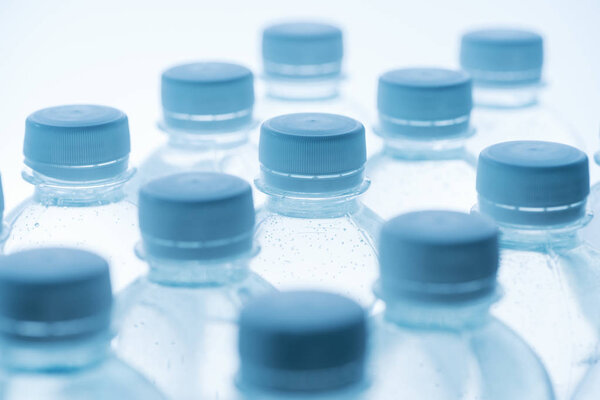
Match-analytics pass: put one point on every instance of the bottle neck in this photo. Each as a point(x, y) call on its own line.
point(313, 205)
point(506, 96)
point(54, 356)
point(459, 315)
point(208, 139)
point(303, 89)
point(537, 236)
point(54, 192)
point(437, 149)
point(197, 273)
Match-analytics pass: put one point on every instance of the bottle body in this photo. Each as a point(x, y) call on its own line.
point(318, 245)
point(550, 300)
point(408, 180)
point(533, 121)
point(591, 232)
point(98, 218)
point(230, 151)
point(482, 361)
point(182, 336)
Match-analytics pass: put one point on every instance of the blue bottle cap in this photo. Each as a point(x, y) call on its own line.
point(302, 50)
point(207, 96)
point(502, 56)
point(195, 216)
point(424, 103)
point(312, 152)
point(77, 142)
point(302, 341)
point(51, 294)
point(533, 183)
point(438, 256)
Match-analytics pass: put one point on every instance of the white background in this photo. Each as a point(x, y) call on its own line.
point(112, 52)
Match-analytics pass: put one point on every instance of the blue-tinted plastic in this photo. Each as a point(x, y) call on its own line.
point(1, 204)
point(502, 56)
point(302, 50)
point(48, 286)
point(312, 152)
point(424, 102)
point(77, 142)
point(207, 96)
point(515, 177)
point(438, 255)
point(285, 338)
point(196, 216)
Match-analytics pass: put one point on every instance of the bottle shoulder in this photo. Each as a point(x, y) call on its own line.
point(438, 363)
point(111, 378)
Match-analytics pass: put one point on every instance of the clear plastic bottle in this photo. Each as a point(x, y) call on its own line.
point(3, 227)
point(302, 345)
point(302, 72)
point(424, 122)
point(536, 192)
point(436, 339)
point(208, 118)
point(177, 325)
point(55, 306)
point(77, 157)
point(506, 67)
point(313, 230)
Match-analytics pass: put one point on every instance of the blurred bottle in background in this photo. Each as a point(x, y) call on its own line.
point(436, 338)
point(424, 120)
point(536, 192)
point(302, 345)
point(55, 306)
point(207, 116)
point(177, 325)
point(506, 68)
point(3, 228)
point(303, 72)
point(77, 158)
point(314, 232)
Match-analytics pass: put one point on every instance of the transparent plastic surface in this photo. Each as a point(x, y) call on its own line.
point(94, 216)
point(178, 325)
point(229, 152)
point(551, 280)
point(70, 374)
point(408, 176)
point(589, 388)
point(591, 232)
point(322, 243)
point(452, 352)
point(503, 115)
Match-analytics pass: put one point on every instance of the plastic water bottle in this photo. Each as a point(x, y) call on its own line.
point(303, 72)
point(55, 306)
point(207, 116)
point(506, 67)
point(536, 192)
point(178, 323)
point(302, 345)
point(436, 338)
point(424, 116)
point(313, 230)
point(3, 227)
point(77, 156)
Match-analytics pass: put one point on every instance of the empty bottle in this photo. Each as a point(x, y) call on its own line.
point(303, 72)
point(207, 116)
point(313, 230)
point(424, 120)
point(302, 345)
point(77, 158)
point(506, 67)
point(436, 339)
point(178, 323)
point(55, 306)
point(536, 192)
